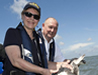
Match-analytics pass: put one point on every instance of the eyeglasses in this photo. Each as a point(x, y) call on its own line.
point(28, 14)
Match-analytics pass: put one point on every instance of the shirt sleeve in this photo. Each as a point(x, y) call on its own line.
point(58, 54)
point(12, 37)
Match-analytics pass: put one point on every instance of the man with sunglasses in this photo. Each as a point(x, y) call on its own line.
point(25, 52)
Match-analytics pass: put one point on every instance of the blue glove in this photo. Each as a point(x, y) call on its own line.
point(1, 65)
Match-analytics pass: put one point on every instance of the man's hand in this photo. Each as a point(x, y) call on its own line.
point(67, 65)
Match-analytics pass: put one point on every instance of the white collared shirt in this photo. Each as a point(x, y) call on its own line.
point(58, 55)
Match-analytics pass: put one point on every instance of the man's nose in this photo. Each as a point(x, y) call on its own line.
point(52, 30)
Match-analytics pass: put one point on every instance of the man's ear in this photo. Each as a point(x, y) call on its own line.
point(43, 25)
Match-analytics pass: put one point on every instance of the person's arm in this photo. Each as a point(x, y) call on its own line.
point(58, 54)
point(13, 52)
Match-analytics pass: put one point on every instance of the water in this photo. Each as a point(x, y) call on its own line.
point(91, 66)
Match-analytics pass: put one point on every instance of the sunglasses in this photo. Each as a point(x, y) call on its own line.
point(28, 14)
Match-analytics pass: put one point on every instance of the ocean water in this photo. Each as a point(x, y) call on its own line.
point(91, 66)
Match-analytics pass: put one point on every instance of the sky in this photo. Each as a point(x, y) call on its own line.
point(78, 23)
